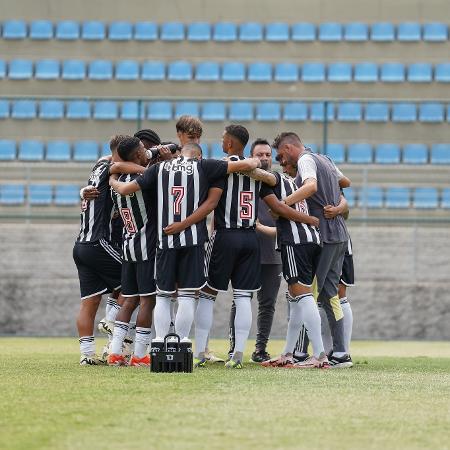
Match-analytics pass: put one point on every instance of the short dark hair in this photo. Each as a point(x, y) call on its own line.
point(127, 147)
point(190, 125)
point(116, 140)
point(193, 146)
point(148, 135)
point(290, 136)
point(259, 141)
point(239, 132)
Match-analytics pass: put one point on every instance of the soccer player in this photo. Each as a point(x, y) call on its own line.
point(189, 130)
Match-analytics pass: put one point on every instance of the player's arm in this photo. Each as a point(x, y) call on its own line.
point(330, 211)
point(243, 165)
point(126, 167)
point(268, 231)
point(262, 175)
point(89, 193)
point(345, 182)
point(123, 188)
point(308, 188)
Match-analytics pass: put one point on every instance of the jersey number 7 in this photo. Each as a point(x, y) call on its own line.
point(178, 193)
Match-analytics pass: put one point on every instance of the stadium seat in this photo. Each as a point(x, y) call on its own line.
point(359, 154)
point(233, 72)
point(159, 111)
point(105, 110)
point(172, 31)
point(73, 69)
point(67, 195)
point(120, 31)
point(425, 198)
point(277, 32)
point(100, 70)
point(78, 109)
point(330, 32)
point(216, 150)
point(286, 72)
point(188, 108)
point(180, 71)
point(313, 73)
point(127, 70)
point(7, 150)
point(20, 69)
point(336, 152)
point(40, 194)
point(51, 109)
point(366, 72)
point(431, 112)
point(317, 112)
point(268, 112)
point(420, 73)
point(356, 32)
point(259, 72)
point(303, 32)
point(382, 32)
point(153, 71)
point(23, 109)
point(376, 112)
point(404, 112)
point(14, 29)
point(213, 111)
point(397, 197)
point(435, 32)
point(225, 32)
point(392, 73)
point(4, 109)
point(445, 202)
point(349, 112)
point(409, 32)
point(67, 30)
point(58, 151)
point(442, 73)
point(104, 149)
point(2, 69)
point(350, 196)
point(415, 154)
point(250, 32)
point(241, 111)
point(207, 71)
point(340, 72)
point(41, 30)
point(12, 194)
point(85, 151)
point(371, 197)
point(130, 110)
point(30, 150)
point(387, 154)
point(295, 112)
point(145, 31)
point(440, 154)
point(47, 69)
point(199, 32)
point(93, 30)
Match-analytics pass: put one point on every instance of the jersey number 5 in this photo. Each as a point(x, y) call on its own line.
point(178, 193)
point(127, 220)
point(245, 200)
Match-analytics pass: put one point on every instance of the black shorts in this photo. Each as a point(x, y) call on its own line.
point(138, 278)
point(99, 267)
point(300, 263)
point(233, 255)
point(180, 269)
point(348, 272)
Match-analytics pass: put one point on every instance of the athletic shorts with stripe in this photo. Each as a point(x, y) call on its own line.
point(138, 278)
point(348, 272)
point(99, 267)
point(300, 263)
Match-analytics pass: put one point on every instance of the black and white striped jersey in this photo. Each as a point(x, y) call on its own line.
point(138, 212)
point(182, 186)
point(288, 231)
point(238, 205)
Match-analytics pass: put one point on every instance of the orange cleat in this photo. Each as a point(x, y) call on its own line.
point(140, 362)
point(116, 360)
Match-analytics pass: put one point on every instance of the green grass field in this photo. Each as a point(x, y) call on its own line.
point(396, 397)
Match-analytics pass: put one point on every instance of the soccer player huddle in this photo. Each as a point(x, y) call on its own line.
point(144, 240)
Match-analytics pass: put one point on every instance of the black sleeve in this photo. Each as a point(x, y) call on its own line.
point(266, 190)
point(215, 172)
point(147, 181)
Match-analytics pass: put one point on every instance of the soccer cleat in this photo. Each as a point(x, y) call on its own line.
point(342, 362)
point(232, 364)
point(200, 362)
point(300, 358)
point(127, 348)
point(212, 358)
point(140, 362)
point(260, 356)
point(105, 327)
point(279, 361)
point(91, 360)
point(312, 363)
point(116, 360)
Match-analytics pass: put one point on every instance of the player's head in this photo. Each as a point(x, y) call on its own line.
point(115, 141)
point(290, 169)
point(289, 147)
point(191, 150)
point(132, 149)
point(148, 137)
point(189, 129)
point(262, 150)
point(234, 139)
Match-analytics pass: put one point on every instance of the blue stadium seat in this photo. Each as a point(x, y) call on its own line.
point(371, 197)
point(340, 72)
point(51, 109)
point(425, 198)
point(336, 152)
point(420, 73)
point(188, 108)
point(448, 113)
point(41, 30)
point(431, 112)
point(250, 32)
point(359, 154)
point(172, 31)
point(442, 73)
point(153, 71)
point(2, 69)
point(225, 32)
point(350, 196)
point(404, 112)
point(120, 31)
point(127, 70)
point(12, 194)
point(78, 109)
point(382, 32)
point(268, 112)
point(4, 109)
point(330, 32)
point(440, 154)
point(58, 151)
point(213, 111)
point(435, 32)
point(286, 73)
point(392, 73)
point(105, 110)
point(356, 32)
point(207, 71)
point(31, 150)
point(47, 69)
point(104, 149)
point(180, 71)
point(67, 195)
point(415, 154)
point(295, 112)
point(303, 32)
point(313, 73)
point(85, 151)
point(376, 112)
point(241, 111)
point(20, 69)
point(145, 31)
point(130, 110)
point(409, 32)
point(40, 194)
point(366, 72)
point(73, 69)
point(67, 30)
point(14, 29)
point(159, 111)
point(23, 109)
point(259, 72)
point(349, 112)
point(93, 30)
point(100, 70)
point(216, 150)
point(397, 197)
point(233, 72)
point(199, 32)
point(277, 32)
point(387, 154)
point(7, 150)
point(445, 202)
point(317, 112)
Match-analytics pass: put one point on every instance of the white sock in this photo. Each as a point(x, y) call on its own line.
point(119, 333)
point(113, 311)
point(326, 333)
point(161, 315)
point(110, 301)
point(173, 313)
point(294, 325)
point(203, 321)
point(348, 322)
point(87, 345)
point(143, 338)
point(132, 328)
point(243, 319)
point(185, 314)
point(311, 318)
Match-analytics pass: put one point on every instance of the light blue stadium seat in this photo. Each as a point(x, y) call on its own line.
point(40, 194)
point(100, 70)
point(180, 71)
point(73, 69)
point(85, 151)
point(186, 108)
point(330, 32)
point(295, 112)
point(425, 198)
point(199, 32)
point(127, 70)
point(409, 32)
point(4, 109)
point(431, 112)
point(392, 73)
point(420, 73)
point(67, 195)
point(404, 112)
point(104, 149)
point(7, 150)
point(442, 73)
point(435, 32)
point(67, 30)
point(250, 32)
point(14, 29)
point(159, 111)
point(415, 154)
point(58, 151)
point(387, 154)
point(225, 32)
point(51, 109)
point(317, 112)
point(153, 71)
point(93, 30)
point(448, 113)
point(313, 73)
point(41, 30)
point(20, 69)
point(241, 111)
point(172, 31)
point(359, 154)
point(440, 154)
point(340, 72)
point(445, 202)
point(23, 109)
point(371, 197)
point(145, 31)
point(105, 110)
point(2, 69)
point(356, 32)
point(130, 110)
point(268, 112)
point(213, 111)
point(397, 197)
point(366, 72)
point(120, 31)
point(259, 72)
point(277, 32)
point(207, 71)
point(349, 112)
point(286, 72)
point(31, 150)
point(12, 194)
point(336, 152)
point(303, 32)
point(216, 150)
point(382, 32)
point(78, 109)
point(376, 112)
point(350, 196)
point(47, 69)
point(233, 72)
